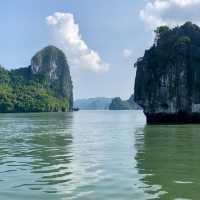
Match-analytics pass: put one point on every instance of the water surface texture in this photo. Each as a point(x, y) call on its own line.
point(96, 155)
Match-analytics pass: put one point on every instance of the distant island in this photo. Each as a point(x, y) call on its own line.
point(102, 103)
point(167, 82)
point(98, 103)
point(44, 86)
point(118, 104)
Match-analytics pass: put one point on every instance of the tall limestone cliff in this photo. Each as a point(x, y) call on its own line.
point(44, 86)
point(51, 63)
point(167, 82)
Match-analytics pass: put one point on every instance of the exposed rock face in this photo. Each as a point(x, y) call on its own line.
point(44, 86)
point(118, 104)
point(167, 82)
point(51, 63)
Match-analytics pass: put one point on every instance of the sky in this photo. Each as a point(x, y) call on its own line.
point(101, 39)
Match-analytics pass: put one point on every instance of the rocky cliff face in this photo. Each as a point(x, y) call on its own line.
point(51, 63)
point(167, 82)
point(44, 86)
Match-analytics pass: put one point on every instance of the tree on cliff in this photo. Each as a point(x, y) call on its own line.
point(45, 86)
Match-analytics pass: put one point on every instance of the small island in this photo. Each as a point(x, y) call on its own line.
point(119, 104)
point(44, 86)
point(167, 84)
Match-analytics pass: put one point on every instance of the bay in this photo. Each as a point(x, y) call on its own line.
point(95, 155)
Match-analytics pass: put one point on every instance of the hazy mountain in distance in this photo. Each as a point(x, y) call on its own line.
point(99, 103)
point(119, 104)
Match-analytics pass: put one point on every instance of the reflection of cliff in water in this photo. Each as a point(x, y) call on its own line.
point(51, 150)
point(169, 158)
point(40, 146)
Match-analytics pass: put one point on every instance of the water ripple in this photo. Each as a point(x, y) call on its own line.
point(96, 155)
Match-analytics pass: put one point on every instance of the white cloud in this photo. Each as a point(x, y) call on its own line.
point(170, 12)
point(127, 53)
point(68, 38)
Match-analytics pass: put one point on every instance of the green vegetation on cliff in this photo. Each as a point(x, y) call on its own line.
point(167, 84)
point(25, 90)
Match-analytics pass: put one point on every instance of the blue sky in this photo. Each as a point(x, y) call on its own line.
point(113, 34)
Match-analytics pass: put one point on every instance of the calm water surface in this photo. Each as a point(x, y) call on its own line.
point(97, 155)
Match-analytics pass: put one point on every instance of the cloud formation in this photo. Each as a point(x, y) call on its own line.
point(127, 53)
point(68, 38)
point(170, 12)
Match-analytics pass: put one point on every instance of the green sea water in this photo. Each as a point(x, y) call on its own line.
point(97, 155)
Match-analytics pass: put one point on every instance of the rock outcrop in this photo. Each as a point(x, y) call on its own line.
point(118, 104)
point(167, 82)
point(44, 86)
point(52, 64)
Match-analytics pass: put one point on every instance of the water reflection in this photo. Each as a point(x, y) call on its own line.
point(82, 156)
point(37, 155)
point(95, 156)
point(168, 157)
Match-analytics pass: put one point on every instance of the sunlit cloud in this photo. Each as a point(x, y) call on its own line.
point(68, 37)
